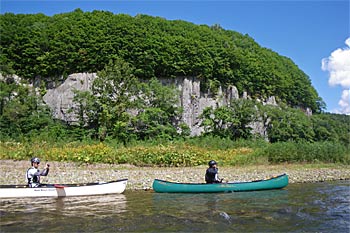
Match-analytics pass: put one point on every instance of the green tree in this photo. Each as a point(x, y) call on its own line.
point(22, 112)
point(158, 116)
point(113, 93)
point(121, 107)
point(289, 124)
point(331, 127)
point(231, 121)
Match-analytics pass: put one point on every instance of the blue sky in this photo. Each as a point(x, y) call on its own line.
point(305, 31)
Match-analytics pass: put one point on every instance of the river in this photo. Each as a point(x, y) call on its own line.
point(311, 207)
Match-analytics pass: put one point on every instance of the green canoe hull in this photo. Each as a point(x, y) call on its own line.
point(278, 182)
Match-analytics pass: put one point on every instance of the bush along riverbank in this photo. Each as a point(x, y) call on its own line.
point(181, 154)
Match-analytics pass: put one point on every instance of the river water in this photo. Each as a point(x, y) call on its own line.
point(315, 207)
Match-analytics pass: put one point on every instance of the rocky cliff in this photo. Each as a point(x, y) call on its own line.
point(192, 99)
point(60, 98)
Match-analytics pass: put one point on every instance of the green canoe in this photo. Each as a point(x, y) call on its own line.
point(277, 182)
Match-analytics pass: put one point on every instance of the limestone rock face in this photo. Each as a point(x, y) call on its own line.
point(60, 99)
point(10, 79)
point(193, 100)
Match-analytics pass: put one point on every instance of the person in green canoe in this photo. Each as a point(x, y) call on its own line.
point(212, 173)
point(33, 174)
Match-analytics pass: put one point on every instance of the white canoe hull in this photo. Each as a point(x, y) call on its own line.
point(113, 187)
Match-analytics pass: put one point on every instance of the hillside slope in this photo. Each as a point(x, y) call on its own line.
point(38, 46)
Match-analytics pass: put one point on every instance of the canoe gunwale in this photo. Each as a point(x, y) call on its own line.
point(238, 182)
point(19, 186)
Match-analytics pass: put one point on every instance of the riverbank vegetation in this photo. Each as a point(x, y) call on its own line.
point(109, 133)
point(191, 152)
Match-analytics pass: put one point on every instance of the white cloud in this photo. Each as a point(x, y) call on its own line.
point(344, 103)
point(338, 66)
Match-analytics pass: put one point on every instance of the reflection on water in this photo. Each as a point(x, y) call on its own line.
point(320, 207)
point(31, 213)
point(68, 206)
point(99, 206)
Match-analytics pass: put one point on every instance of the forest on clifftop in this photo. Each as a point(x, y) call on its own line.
point(39, 46)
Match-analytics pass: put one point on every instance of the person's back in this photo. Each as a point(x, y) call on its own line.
point(33, 174)
point(211, 174)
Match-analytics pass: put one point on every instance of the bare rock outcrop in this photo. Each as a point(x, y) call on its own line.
point(60, 99)
point(193, 100)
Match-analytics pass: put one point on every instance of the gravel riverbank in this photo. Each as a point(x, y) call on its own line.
point(13, 172)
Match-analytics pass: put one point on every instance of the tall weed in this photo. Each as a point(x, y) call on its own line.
point(190, 152)
point(327, 152)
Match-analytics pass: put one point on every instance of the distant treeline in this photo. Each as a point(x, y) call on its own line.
point(36, 45)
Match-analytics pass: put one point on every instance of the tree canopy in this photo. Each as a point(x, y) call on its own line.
point(36, 45)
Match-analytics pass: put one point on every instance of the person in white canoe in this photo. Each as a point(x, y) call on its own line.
point(33, 174)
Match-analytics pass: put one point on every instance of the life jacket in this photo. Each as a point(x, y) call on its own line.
point(211, 175)
point(33, 177)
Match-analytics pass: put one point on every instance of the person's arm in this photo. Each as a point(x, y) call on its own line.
point(217, 176)
point(45, 171)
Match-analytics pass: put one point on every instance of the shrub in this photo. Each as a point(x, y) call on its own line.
point(328, 152)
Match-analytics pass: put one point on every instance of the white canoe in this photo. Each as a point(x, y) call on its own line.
point(65, 190)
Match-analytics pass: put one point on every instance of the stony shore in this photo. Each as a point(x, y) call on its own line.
point(13, 172)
